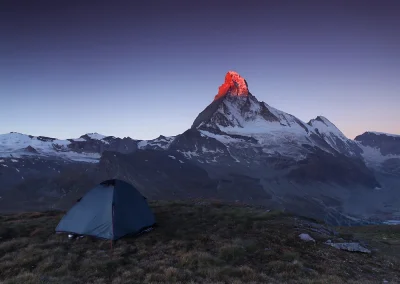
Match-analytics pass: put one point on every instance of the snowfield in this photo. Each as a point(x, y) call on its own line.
point(13, 145)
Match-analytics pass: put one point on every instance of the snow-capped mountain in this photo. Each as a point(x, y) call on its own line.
point(381, 151)
point(237, 149)
point(236, 119)
point(237, 135)
point(388, 144)
point(17, 145)
point(23, 157)
point(87, 148)
point(334, 137)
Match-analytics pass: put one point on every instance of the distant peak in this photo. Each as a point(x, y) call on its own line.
point(234, 85)
point(323, 119)
point(17, 133)
point(94, 136)
point(325, 126)
point(382, 133)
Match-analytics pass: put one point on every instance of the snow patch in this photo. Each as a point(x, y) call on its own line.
point(172, 157)
point(205, 150)
point(162, 142)
point(392, 222)
point(142, 144)
point(226, 139)
point(96, 136)
point(373, 156)
point(81, 157)
point(189, 154)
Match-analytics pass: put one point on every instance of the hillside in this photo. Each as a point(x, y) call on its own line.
point(194, 242)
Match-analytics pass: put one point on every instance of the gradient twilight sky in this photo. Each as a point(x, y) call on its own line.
point(145, 68)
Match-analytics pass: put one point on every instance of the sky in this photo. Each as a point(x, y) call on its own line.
point(148, 68)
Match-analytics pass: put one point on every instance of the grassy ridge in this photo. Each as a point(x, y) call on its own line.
point(193, 243)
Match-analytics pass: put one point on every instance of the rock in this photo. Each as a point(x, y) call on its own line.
point(306, 238)
point(234, 84)
point(316, 228)
point(309, 270)
point(30, 149)
point(354, 247)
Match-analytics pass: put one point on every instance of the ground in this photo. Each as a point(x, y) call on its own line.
point(194, 242)
point(386, 238)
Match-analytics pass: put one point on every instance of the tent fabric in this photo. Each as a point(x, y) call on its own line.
point(110, 210)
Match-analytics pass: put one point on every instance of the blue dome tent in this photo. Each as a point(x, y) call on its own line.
point(110, 210)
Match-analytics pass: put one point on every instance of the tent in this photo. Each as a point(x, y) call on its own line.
point(110, 210)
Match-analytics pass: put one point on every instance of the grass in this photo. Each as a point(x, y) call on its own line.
point(193, 243)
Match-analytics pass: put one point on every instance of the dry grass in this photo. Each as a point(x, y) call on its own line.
point(207, 243)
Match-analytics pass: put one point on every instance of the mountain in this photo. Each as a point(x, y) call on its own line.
point(238, 149)
point(239, 115)
point(334, 137)
point(381, 151)
point(87, 148)
point(236, 129)
point(23, 157)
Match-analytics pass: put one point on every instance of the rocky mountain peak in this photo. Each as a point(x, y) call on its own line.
point(325, 127)
point(234, 85)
